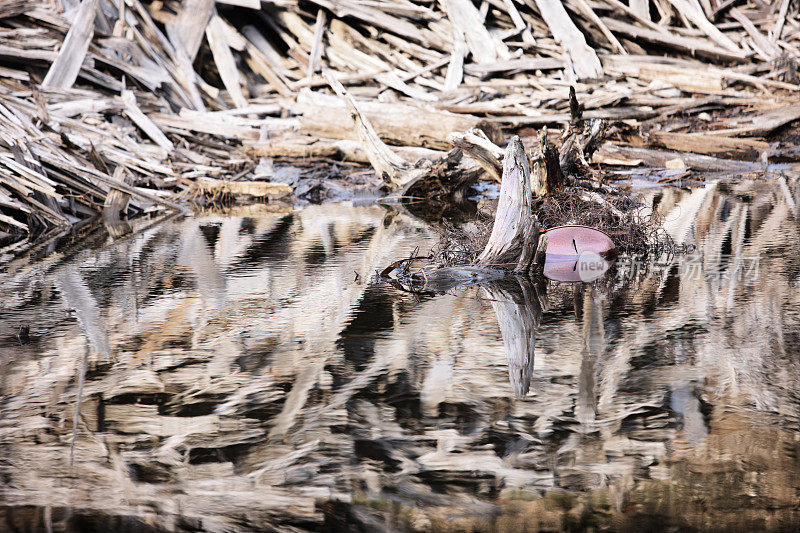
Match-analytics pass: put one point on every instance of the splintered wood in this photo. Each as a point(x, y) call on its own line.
point(173, 92)
point(515, 232)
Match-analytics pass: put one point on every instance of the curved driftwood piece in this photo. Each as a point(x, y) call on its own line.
point(391, 168)
point(516, 229)
point(475, 143)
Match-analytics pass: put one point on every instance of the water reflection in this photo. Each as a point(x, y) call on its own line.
point(516, 304)
point(240, 373)
point(586, 267)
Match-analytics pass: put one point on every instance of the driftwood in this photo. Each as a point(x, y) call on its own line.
point(259, 189)
point(116, 204)
point(515, 231)
point(173, 93)
point(660, 158)
point(716, 145)
point(64, 70)
point(761, 124)
point(467, 19)
point(512, 246)
point(480, 148)
point(694, 46)
point(547, 176)
point(394, 170)
point(304, 146)
point(584, 59)
point(223, 57)
point(143, 121)
point(581, 139)
point(396, 124)
point(390, 167)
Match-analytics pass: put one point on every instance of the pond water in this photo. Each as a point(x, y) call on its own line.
point(245, 373)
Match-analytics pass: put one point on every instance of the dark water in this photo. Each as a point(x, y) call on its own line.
point(242, 373)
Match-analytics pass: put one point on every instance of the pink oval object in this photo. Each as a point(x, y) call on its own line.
point(571, 241)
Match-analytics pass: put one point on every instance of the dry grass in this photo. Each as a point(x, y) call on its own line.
point(635, 231)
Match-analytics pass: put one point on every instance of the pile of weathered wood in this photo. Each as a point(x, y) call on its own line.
point(144, 98)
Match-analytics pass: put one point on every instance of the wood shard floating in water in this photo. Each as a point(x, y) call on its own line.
point(213, 188)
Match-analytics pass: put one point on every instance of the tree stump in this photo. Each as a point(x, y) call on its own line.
point(580, 141)
point(515, 232)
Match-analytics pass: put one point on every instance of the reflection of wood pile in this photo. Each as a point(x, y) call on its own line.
point(163, 399)
point(145, 97)
point(240, 392)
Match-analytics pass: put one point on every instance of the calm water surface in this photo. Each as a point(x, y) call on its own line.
point(244, 373)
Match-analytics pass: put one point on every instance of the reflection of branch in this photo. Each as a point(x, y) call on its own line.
point(78, 401)
point(78, 297)
point(516, 304)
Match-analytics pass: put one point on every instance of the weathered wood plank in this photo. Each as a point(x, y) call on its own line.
point(141, 120)
point(695, 47)
point(465, 17)
point(400, 124)
point(708, 143)
point(584, 59)
point(64, 70)
point(693, 12)
point(187, 29)
point(226, 65)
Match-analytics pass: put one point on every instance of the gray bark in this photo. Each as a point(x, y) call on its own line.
point(516, 229)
